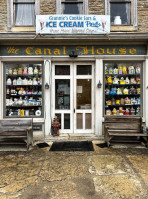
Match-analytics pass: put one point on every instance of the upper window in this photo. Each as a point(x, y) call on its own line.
point(72, 7)
point(122, 12)
point(24, 12)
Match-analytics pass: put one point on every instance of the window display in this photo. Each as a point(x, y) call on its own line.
point(123, 88)
point(23, 90)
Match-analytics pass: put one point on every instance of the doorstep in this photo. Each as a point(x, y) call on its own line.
point(73, 137)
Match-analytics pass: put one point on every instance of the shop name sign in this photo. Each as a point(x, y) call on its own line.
point(67, 50)
point(72, 24)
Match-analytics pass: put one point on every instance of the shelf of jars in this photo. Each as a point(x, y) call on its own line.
point(122, 89)
point(23, 90)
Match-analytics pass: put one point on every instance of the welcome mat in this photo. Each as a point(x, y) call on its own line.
point(72, 146)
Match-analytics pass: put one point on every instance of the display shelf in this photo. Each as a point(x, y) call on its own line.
point(9, 95)
point(120, 75)
point(122, 84)
point(123, 95)
point(22, 85)
point(122, 105)
point(23, 106)
point(34, 75)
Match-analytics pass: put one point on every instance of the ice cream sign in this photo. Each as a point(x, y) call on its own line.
point(73, 24)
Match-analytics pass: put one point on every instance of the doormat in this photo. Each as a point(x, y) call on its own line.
point(43, 145)
point(102, 145)
point(72, 146)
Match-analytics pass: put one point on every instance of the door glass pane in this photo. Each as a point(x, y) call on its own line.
point(62, 70)
point(59, 118)
point(79, 121)
point(88, 121)
point(83, 93)
point(62, 94)
point(122, 10)
point(84, 70)
point(66, 121)
point(72, 8)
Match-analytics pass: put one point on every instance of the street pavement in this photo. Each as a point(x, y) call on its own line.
point(105, 173)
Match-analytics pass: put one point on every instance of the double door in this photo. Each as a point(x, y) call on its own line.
point(73, 96)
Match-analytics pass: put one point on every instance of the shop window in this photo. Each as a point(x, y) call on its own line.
point(123, 88)
point(122, 12)
point(21, 13)
point(72, 7)
point(23, 88)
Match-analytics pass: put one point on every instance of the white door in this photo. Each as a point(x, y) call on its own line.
point(73, 96)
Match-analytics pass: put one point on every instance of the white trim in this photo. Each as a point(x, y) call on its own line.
point(133, 10)
point(1, 90)
point(59, 7)
point(146, 92)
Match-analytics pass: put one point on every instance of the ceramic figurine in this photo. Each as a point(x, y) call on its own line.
point(117, 102)
point(132, 91)
point(40, 71)
point(138, 100)
point(106, 70)
point(124, 70)
point(125, 91)
point(138, 80)
point(138, 91)
point(25, 71)
point(20, 101)
point(110, 70)
point(121, 111)
point(133, 81)
point(122, 101)
point(127, 100)
point(29, 82)
point(25, 81)
point(9, 82)
point(113, 101)
point(107, 91)
point(109, 80)
point(19, 81)
point(26, 112)
point(112, 92)
point(133, 101)
point(115, 80)
point(138, 111)
point(30, 70)
point(36, 72)
point(6, 71)
point(115, 70)
point(15, 71)
point(109, 102)
point(10, 71)
point(34, 81)
point(127, 81)
point(131, 70)
point(20, 71)
point(38, 113)
point(126, 111)
point(14, 82)
point(39, 81)
point(120, 70)
point(114, 111)
point(122, 81)
point(7, 91)
point(119, 92)
point(138, 69)
point(108, 112)
point(132, 111)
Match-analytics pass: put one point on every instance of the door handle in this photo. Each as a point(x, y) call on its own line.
point(74, 110)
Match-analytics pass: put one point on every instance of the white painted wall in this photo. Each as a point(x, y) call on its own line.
point(98, 97)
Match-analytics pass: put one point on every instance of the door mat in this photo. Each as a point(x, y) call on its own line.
point(102, 145)
point(43, 145)
point(72, 146)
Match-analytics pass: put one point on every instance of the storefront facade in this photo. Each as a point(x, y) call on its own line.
point(80, 88)
point(80, 77)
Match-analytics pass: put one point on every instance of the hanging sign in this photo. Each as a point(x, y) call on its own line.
point(73, 24)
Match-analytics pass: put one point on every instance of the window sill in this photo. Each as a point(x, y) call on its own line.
point(23, 29)
point(123, 28)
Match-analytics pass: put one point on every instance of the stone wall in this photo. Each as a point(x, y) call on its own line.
point(47, 7)
point(142, 12)
point(96, 7)
point(3, 16)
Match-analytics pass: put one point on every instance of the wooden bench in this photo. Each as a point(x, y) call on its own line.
point(16, 132)
point(123, 127)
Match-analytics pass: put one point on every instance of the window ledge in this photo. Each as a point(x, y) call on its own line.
point(123, 28)
point(23, 29)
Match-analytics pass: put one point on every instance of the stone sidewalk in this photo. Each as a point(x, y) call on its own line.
point(106, 173)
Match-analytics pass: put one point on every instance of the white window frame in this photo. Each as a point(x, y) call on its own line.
point(59, 7)
point(133, 10)
point(10, 13)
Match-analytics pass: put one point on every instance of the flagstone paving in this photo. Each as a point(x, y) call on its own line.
point(105, 173)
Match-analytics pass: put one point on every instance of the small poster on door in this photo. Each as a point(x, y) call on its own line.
point(79, 89)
